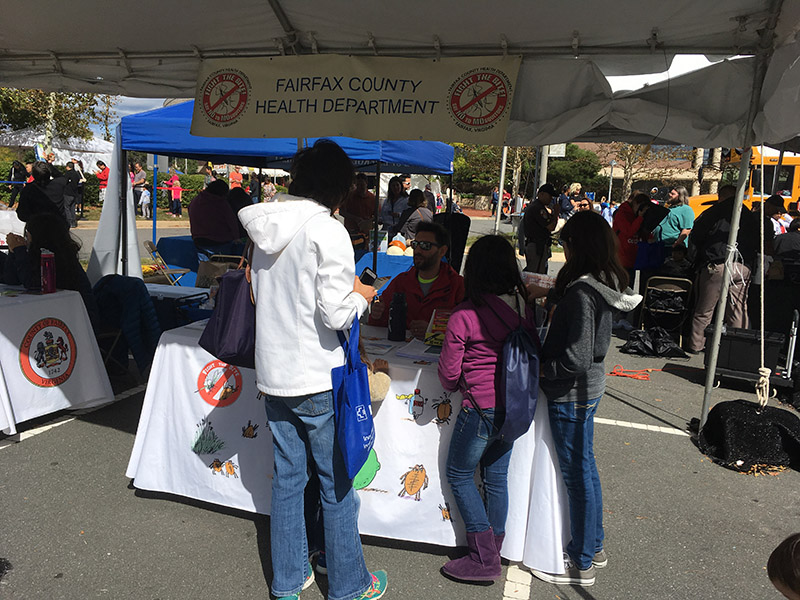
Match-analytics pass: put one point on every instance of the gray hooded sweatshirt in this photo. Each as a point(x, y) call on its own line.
point(573, 355)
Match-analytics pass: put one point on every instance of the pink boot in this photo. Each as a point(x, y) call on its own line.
point(482, 562)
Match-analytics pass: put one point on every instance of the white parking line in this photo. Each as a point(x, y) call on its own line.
point(659, 429)
point(18, 437)
point(518, 584)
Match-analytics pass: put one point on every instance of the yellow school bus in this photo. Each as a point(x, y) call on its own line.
point(788, 178)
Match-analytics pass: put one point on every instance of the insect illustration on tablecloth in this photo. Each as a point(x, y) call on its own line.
point(443, 408)
point(226, 468)
point(414, 481)
point(216, 466)
point(206, 441)
point(445, 510)
point(230, 469)
point(251, 431)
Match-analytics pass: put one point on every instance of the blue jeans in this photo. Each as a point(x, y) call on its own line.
point(573, 432)
point(303, 426)
point(475, 443)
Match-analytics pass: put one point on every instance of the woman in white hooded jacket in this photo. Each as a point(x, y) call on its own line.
point(305, 288)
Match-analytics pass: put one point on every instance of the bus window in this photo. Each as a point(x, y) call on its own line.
point(785, 180)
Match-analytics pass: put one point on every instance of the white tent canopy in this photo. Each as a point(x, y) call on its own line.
point(88, 151)
point(569, 48)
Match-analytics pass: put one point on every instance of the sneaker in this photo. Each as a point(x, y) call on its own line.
point(378, 587)
point(572, 575)
point(600, 559)
point(306, 584)
point(322, 563)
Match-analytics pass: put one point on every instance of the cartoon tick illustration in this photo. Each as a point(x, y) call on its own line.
point(443, 409)
point(216, 466)
point(251, 431)
point(230, 469)
point(414, 481)
point(445, 510)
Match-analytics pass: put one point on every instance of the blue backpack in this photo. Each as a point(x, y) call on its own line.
point(518, 379)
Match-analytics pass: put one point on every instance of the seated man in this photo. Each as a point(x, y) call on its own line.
point(428, 285)
point(212, 223)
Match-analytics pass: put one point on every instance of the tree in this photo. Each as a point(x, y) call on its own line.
point(577, 166)
point(106, 113)
point(72, 114)
point(641, 162)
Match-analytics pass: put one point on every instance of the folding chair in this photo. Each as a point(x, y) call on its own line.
point(173, 275)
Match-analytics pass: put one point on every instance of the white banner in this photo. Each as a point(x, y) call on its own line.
point(372, 98)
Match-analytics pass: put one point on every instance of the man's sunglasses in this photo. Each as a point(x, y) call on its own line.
point(423, 245)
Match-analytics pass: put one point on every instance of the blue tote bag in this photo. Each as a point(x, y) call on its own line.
point(352, 408)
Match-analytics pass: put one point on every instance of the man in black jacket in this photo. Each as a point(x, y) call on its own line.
point(710, 239)
point(537, 224)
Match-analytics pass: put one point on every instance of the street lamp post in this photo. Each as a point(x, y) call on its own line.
point(610, 179)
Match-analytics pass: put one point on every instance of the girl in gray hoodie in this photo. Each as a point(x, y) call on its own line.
point(590, 286)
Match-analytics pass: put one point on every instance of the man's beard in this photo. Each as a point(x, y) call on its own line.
point(424, 263)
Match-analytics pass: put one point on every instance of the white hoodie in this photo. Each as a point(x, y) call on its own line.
point(303, 272)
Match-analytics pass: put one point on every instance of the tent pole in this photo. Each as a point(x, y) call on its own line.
point(123, 206)
point(154, 199)
point(774, 187)
point(762, 62)
point(501, 191)
point(377, 210)
point(449, 208)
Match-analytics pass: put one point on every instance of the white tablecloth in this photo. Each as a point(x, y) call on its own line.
point(49, 358)
point(203, 434)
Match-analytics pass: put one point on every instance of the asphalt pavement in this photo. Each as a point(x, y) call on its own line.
point(677, 525)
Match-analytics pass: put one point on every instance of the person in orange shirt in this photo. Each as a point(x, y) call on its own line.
point(235, 177)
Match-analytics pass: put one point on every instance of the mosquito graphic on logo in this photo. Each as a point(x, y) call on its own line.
point(219, 383)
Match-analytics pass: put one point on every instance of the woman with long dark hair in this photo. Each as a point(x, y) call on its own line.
point(395, 203)
point(471, 355)
point(589, 287)
point(23, 263)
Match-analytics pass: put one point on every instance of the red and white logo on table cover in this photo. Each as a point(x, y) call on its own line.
point(219, 383)
point(224, 96)
point(47, 354)
point(479, 98)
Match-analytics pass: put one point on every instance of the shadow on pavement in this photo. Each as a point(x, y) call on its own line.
point(642, 406)
point(122, 415)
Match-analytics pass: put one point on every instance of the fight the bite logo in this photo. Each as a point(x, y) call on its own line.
point(479, 98)
point(224, 97)
point(219, 383)
point(47, 354)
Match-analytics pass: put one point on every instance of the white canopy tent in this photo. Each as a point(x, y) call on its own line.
point(88, 151)
point(568, 50)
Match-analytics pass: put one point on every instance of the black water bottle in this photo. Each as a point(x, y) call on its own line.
point(397, 317)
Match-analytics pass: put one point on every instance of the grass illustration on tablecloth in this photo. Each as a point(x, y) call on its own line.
point(206, 441)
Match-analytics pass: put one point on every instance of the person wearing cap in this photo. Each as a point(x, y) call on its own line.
point(774, 210)
point(538, 222)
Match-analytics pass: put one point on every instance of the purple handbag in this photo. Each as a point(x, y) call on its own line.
point(230, 333)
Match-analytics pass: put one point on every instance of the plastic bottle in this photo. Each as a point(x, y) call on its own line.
point(397, 317)
point(48, 270)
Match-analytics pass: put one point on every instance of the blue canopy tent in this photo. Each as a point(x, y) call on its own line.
point(166, 131)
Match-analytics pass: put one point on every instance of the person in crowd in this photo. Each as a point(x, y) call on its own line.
point(774, 210)
point(22, 266)
point(51, 164)
point(678, 263)
point(238, 199)
point(495, 199)
point(173, 184)
point(212, 223)
point(102, 174)
point(139, 178)
point(358, 209)
point(583, 204)
point(783, 567)
point(405, 179)
point(16, 173)
point(626, 224)
point(146, 201)
point(415, 214)
point(607, 211)
point(430, 198)
point(589, 287)
point(306, 289)
point(269, 190)
point(394, 205)
point(208, 175)
point(538, 223)
point(565, 206)
point(575, 194)
point(494, 305)
point(235, 178)
point(43, 194)
point(428, 285)
point(709, 237)
point(71, 194)
point(255, 187)
point(29, 168)
point(677, 225)
point(81, 183)
point(787, 245)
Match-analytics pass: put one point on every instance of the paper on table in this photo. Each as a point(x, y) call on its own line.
point(419, 350)
point(377, 348)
